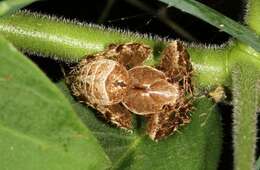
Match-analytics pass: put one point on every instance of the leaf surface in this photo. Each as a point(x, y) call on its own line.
point(38, 127)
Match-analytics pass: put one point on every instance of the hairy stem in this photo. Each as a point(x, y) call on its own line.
point(71, 41)
point(253, 13)
point(245, 79)
point(49, 36)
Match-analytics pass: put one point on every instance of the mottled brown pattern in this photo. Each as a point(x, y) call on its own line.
point(129, 54)
point(175, 62)
point(163, 124)
point(97, 79)
point(117, 83)
point(159, 94)
point(117, 115)
point(91, 80)
point(149, 92)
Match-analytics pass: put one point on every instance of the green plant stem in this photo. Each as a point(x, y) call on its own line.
point(211, 66)
point(71, 41)
point(245, 78)
point(49, 36)
point(253, 13)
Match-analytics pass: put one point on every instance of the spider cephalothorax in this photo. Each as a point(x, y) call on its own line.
point(116, 83)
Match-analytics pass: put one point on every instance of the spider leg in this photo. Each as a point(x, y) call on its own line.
point(163, 124)
point(128, 54)
point(116, 114)
point(175, 62)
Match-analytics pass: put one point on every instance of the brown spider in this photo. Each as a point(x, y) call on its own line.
point(116, 83)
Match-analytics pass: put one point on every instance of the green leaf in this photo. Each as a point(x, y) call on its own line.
point(258, 164)
point(38, 127)
point(196, 146)
point(218, 20)
point(8, 6)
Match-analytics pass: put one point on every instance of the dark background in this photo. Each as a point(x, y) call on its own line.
point(127, 14)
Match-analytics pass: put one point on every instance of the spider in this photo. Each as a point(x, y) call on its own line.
point(117, 83)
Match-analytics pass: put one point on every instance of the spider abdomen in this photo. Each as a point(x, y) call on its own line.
point(100, 82)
